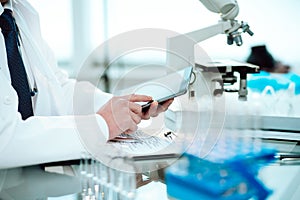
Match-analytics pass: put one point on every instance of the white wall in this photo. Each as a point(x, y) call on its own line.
point(274, 22)
point(56, 25)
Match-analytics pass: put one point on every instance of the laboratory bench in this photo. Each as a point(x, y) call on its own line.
point(64, 182)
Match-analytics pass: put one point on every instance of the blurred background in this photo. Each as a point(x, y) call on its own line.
point(73, 28)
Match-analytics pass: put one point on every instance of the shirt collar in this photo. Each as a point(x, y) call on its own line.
point(8, 5)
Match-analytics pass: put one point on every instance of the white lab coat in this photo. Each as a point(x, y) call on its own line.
point(64, 111)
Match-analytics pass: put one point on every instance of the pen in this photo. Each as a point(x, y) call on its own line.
point(287, 156)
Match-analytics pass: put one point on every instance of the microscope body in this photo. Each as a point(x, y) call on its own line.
point(181, 51)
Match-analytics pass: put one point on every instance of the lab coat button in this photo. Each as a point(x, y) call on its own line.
point(7, 100)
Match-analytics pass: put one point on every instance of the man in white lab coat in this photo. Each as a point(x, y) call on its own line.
point(60, 118)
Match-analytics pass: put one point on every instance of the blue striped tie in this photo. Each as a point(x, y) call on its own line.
point(17, 71)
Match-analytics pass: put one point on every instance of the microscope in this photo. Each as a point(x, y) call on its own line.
point(215, 75)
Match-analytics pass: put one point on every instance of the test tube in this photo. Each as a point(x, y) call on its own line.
point(128, 189)
point(119, 175)
point(103, 182)
point(90, 177)
point(83, 174)
point(96, 179)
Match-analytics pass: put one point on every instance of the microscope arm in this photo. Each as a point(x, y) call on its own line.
point(180, 49)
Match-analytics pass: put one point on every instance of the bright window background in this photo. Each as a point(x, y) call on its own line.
point(72, 28)
point(56, 25)
point(84, 26)
point(274, 23)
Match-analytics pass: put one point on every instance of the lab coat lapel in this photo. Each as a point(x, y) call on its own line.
point(49, 98)
point(3, 59)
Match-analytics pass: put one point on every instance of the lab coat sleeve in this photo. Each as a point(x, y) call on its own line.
point(41, 139)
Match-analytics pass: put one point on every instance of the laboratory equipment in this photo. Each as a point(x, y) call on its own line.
point(226, 69)
point(181, 48)
point(228, 171)
point(107, 182)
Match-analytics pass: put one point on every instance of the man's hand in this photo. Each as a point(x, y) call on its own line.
point(156, 108)
point(122, 114)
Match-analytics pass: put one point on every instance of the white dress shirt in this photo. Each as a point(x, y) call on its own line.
point(64, 123)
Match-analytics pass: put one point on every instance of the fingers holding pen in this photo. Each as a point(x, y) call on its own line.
point(123, 114)
point(157, 108)
point(135, 108)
